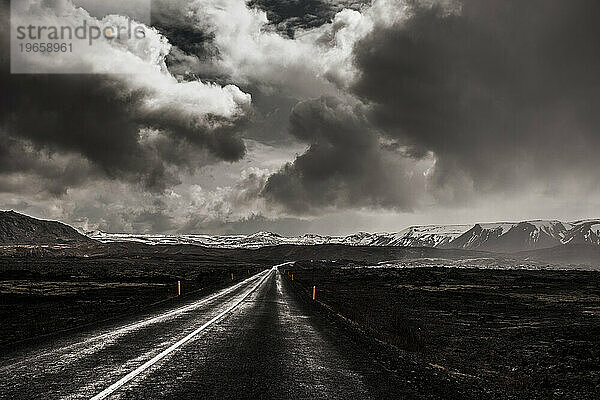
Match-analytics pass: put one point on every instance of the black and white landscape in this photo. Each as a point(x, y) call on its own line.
point(329, 317)
point(294, 199)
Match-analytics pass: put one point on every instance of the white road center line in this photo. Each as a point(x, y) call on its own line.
point(118, 384)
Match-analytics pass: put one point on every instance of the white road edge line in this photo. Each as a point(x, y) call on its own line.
point(129, 327)
point(118, 384)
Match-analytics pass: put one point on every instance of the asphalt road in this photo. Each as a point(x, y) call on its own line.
point(254, 340)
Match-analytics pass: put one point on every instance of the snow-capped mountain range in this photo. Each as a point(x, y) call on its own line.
point(500, 237)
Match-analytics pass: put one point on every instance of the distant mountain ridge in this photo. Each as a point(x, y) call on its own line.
point(505, 237)
point(19, 229)
point(527, 235)
point(416, 236)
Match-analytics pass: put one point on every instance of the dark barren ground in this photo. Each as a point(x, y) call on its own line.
point(497, 333)
point(42, 296)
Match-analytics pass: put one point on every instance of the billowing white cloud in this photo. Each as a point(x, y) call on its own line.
point(314, 63)
point(140, 62)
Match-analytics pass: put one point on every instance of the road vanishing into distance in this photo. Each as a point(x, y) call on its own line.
point(253, 340)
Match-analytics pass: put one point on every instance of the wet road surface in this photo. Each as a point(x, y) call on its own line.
point(254, 340)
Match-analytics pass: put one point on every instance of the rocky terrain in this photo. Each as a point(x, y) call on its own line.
point(19, 229)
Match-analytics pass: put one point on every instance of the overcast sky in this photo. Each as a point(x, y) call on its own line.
point(317, 116)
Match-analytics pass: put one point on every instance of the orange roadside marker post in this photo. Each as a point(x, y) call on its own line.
point(178, 288)
point(314, 292)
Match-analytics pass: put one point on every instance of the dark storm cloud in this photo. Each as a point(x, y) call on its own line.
point(97, 117)
point(291, 15)
point(507, 92)
point(344, 166)
point(217, 134)
point(194, 50)
point(174, 20)
point(74, 113)
point(57, 174)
